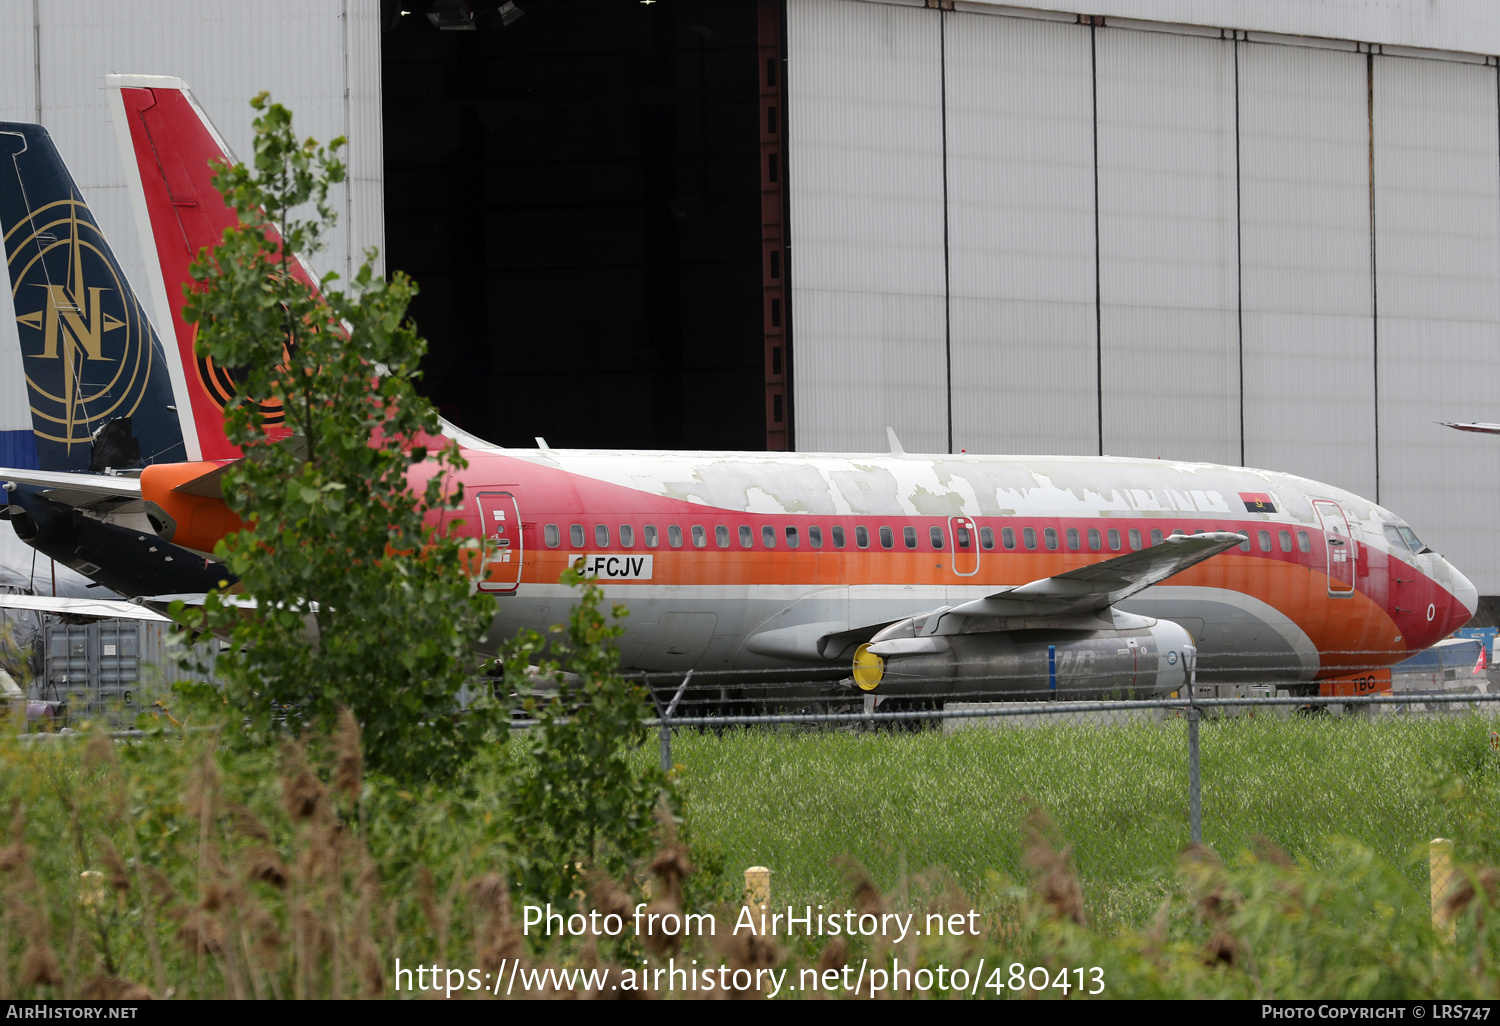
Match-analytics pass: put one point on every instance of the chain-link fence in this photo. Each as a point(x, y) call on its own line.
point(796, 771)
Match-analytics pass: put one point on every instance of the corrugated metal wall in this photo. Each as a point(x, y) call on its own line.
point(1021, 237)
point(321, 58)
point(866, 161)
point(17, 62)
point(1154, 243)
point(1309, 332)
point(1169, 329)
point(1437, 296)
point(17, 103)
point(1471, 25)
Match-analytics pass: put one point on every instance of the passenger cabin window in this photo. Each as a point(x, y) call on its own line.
point(1007, 537)
point(601, 536)
point(627, 536)
point(1094, 542)
point(1156, 536)
point(552, 536)
point(649, 532)
point(838, 536)
point(1135, 539)
point(747, 537)
point(862, 536)
point(936, 535)
point(887, 538)
point(1028, 536)
point(1114, 539)
point(1073, 539)
point(909, 535)
point(721, 536)
point(1244, 540)
point(815, 536)
point(987, 538)
point(1302, 541)
point(768, 536)
point(791, 537)
point(674, 536)
point(575, 535)
point(1265, 540)
point(1049, 535)
point(1285, 538)
point(700, 537)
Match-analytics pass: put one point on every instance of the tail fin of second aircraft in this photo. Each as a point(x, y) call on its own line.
point(85, 383)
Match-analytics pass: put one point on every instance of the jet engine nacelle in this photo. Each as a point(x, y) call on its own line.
point(1142, 659)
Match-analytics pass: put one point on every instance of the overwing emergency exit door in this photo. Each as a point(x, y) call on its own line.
point(501, 556)
point(1343, 553)
point(965, 558)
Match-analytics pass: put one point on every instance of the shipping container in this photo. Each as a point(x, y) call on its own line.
point(118, 668)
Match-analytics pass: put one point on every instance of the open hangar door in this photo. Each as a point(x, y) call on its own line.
point(577, 190)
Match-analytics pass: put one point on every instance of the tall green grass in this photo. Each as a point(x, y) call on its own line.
point(794, 801)
point(182, 865)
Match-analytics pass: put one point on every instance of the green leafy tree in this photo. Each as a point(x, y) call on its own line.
point(586, 803)
point(359, 602)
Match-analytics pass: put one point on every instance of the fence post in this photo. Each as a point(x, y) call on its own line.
point(1052, 670)
point(665, 715)
point(1440, 870)
point(1195, 793)
point(757, 886)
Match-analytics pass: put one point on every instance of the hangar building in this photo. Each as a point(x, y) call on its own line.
point(1248, 233)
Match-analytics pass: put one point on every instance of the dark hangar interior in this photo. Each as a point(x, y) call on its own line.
point(579, 190)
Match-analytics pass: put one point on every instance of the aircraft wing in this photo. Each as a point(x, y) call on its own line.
point(86, 491)
point(1102, 584)
point(104, 608)
point(1065, 599)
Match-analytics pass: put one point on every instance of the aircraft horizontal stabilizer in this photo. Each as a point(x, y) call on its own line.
point(208, 486)
point(103, 608)
point(86, 491)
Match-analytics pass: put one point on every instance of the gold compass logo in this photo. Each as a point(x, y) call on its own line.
point(83, 337)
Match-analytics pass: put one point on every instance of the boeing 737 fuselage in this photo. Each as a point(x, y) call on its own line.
point(961, 569)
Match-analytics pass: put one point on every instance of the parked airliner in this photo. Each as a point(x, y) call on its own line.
point(966, 573)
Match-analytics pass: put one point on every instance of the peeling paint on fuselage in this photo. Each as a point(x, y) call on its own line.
point(578, 486)
point(946, 485)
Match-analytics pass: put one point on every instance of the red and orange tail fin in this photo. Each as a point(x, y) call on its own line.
point(167, 143)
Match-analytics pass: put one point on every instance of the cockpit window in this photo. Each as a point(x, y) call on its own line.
point(1412, 541)
point(1404, 539)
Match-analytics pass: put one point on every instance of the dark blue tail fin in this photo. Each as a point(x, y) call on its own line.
point(85, 383)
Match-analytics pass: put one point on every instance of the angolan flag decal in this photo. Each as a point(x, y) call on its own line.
point(1257, 502)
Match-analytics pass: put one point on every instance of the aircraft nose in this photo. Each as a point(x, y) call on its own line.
point(1464, 590)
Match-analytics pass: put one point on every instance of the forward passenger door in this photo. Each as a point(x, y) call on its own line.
point(1343, 554)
